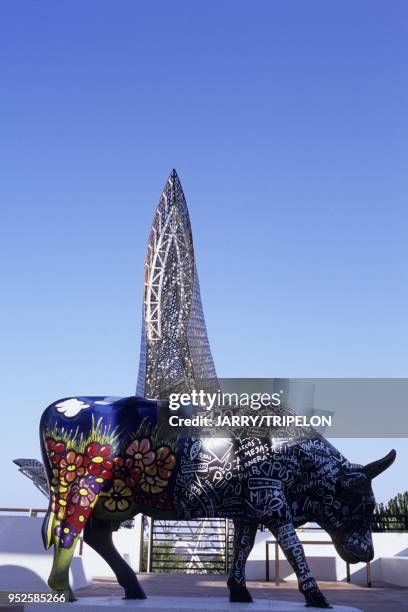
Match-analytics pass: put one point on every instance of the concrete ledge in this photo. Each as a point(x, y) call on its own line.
point(177, 604)
point(394, 570)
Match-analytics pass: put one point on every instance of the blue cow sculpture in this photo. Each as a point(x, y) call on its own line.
point(106, 461)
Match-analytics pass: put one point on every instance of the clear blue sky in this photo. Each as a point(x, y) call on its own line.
point(287, 123)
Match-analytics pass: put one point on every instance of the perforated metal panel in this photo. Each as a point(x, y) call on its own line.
point(175, 354)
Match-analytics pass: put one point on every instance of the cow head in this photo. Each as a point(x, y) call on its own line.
point(347, 514)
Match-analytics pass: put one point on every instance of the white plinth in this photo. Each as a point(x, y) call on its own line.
point(176, 604)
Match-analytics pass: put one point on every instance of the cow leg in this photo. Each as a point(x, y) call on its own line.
point(59, 577)
point(98, 534)
point(244, 537)
point(288, 540)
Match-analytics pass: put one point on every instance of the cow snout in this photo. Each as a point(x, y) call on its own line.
point(356, 552)
point(364, 555)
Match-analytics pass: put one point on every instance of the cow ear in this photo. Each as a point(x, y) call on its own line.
point(350, 482)
point(376, 467)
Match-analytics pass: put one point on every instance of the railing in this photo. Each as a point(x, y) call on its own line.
point(305, 543)
point(32, 512)
point(197, 546)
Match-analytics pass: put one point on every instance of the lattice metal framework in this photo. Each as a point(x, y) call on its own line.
point(34, 470)
point(175, 353)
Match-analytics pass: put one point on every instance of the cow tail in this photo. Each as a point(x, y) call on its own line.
point(48, 525)
point(47, 529)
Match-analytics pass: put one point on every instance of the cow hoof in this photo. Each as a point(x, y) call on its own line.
point(64, 595)
point(238, 592)
point(316, 600)
point(241, 596)
point(135, 593)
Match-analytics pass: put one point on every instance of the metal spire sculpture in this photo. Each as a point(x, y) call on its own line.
point(175, 354)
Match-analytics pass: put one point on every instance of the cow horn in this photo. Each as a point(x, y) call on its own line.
point(376, 467)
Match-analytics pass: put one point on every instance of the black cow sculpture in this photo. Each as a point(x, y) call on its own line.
point(106, 461)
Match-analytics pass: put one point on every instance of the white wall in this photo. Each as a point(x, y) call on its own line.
point(25, 565)
point(323, 560)
point(395, 570)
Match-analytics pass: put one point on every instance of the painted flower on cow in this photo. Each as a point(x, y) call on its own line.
point(66, 534)
point(97, 462)
point(119, 496)
point(54, 479)
point(96, 454)
point(53, 503)
point(76, 515)
point(84, 492)
point(94, 484)
point(118, 467)
point(141, 452)
point(165, 462)
point(156, 475)
point(105, 474)
point(78, 519)
point(151, 481)
point(134, 476)
point(62, 510)
point(61, 503)
point(71, 466)
point(126, 470)
point(54, 450)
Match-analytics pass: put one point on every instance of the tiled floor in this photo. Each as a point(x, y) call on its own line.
point(379, 598)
